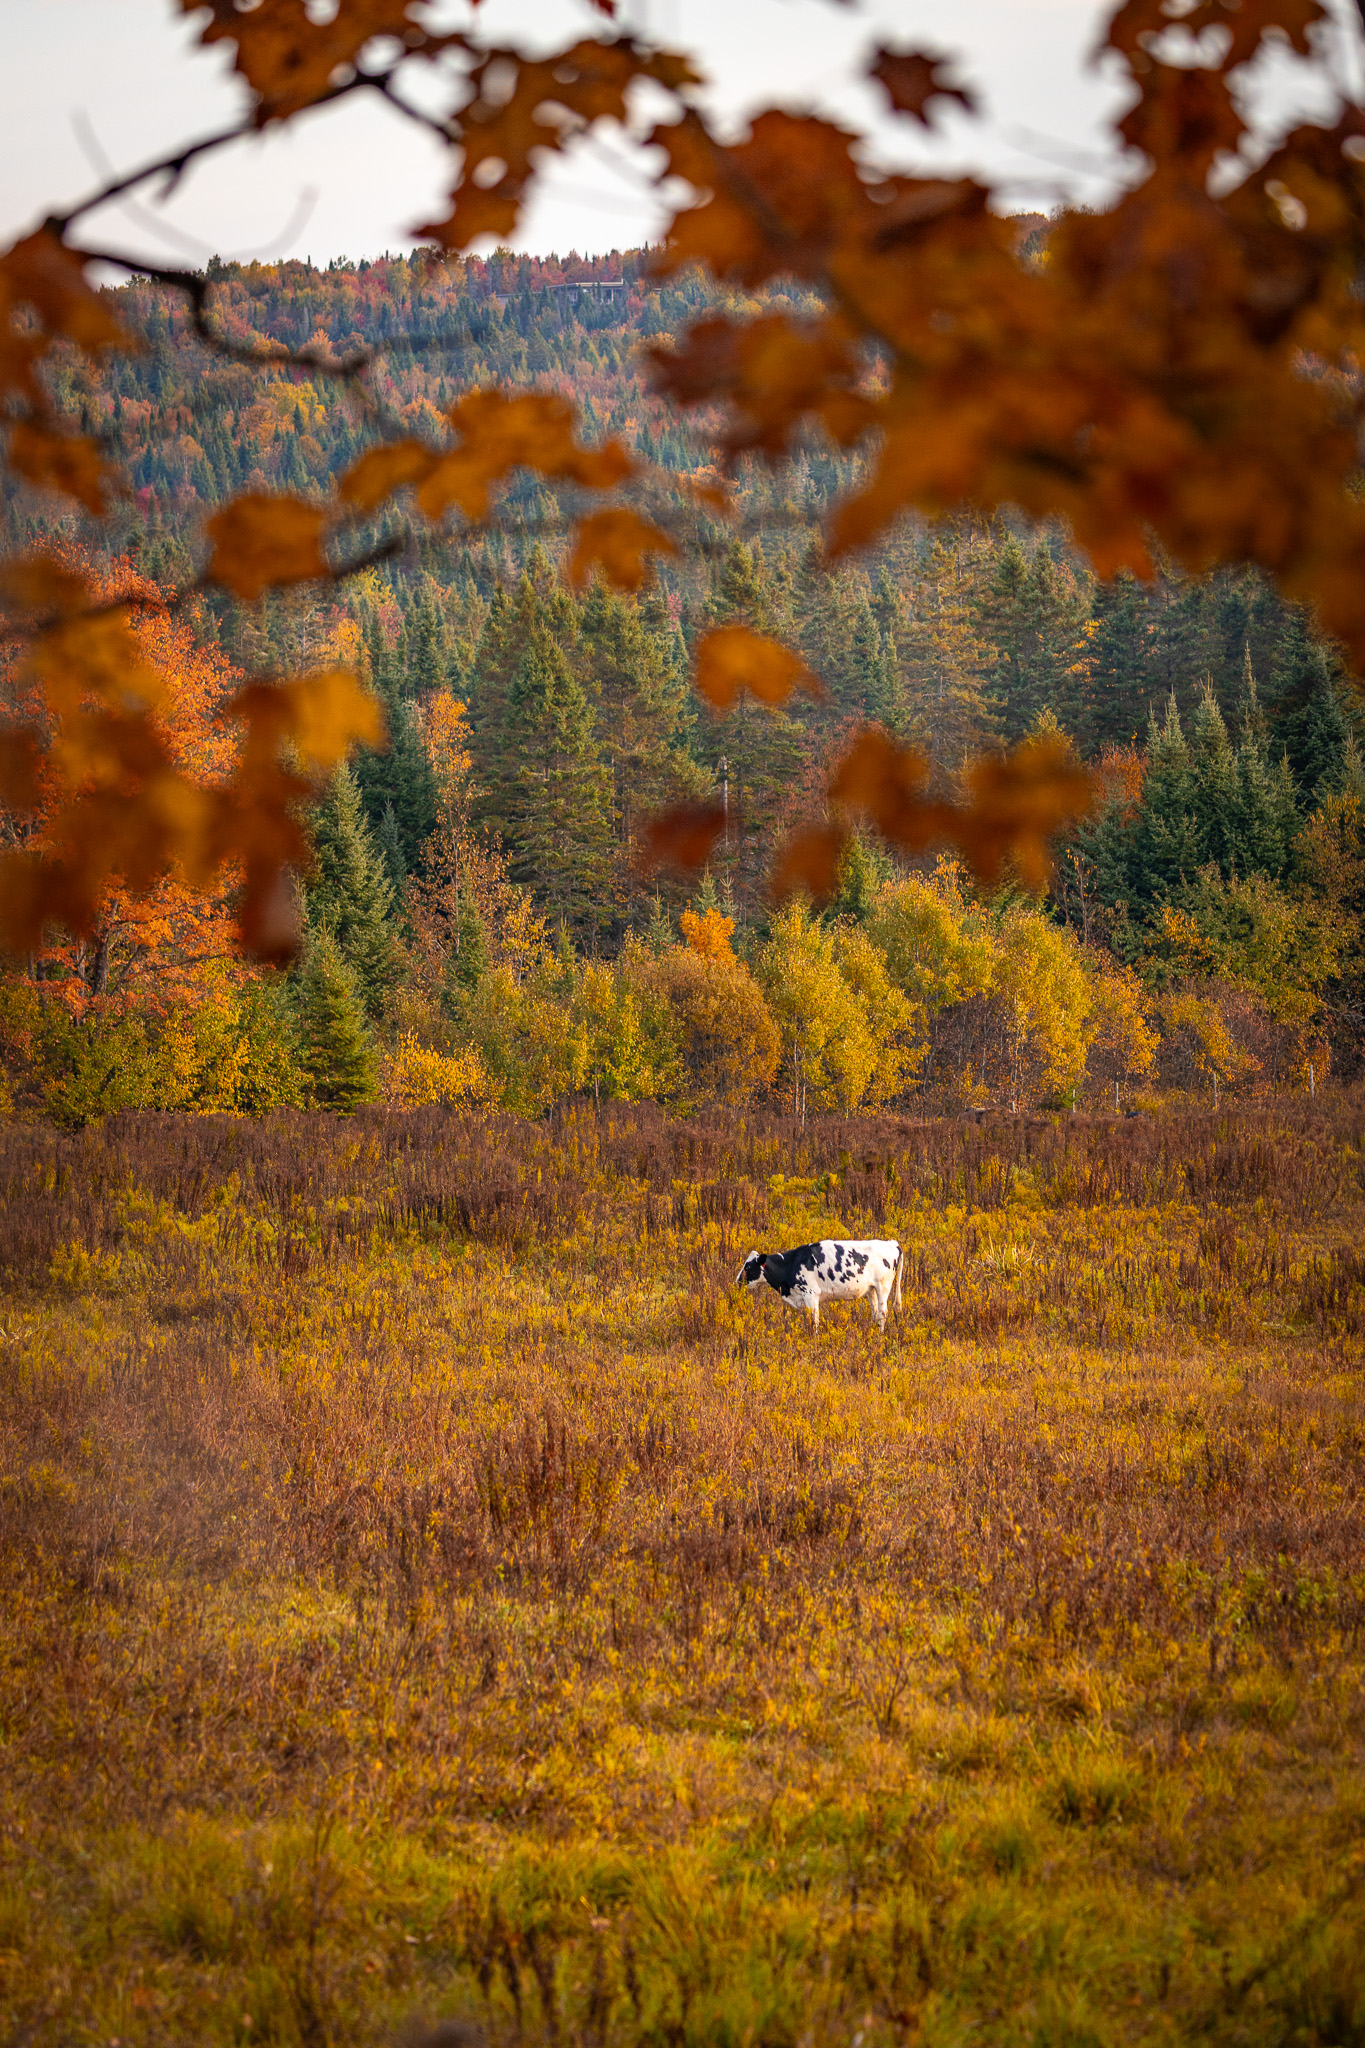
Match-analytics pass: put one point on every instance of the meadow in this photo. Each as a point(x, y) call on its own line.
point(437, 1606)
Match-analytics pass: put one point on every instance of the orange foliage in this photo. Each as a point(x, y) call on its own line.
point(1151, 378)
point(708, 934)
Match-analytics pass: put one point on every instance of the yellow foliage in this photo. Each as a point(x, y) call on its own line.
point(730, 1045)
point(1124, 1042)
point(413, 1075)
point(830, 1048)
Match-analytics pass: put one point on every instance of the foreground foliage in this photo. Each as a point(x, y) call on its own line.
point(431, 1589)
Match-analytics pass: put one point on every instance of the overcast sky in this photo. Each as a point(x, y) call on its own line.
point(122, 81)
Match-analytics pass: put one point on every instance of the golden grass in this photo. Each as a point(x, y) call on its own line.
point(431, 1591)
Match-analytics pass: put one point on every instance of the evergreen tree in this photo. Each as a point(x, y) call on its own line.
point(744, 592)
point(762, 747)
point(1168, 849)
point(659, 932)
point(337, 1048)
point(557, 791)
point(1215, 789)
point(349, 892)
point(466, 962)
point(1035, 612)
point(508, 630)
point(637, 697)
point(1123, 675)
point(947, 661)
point(400, 781)
point(390, 846)
point(1307, 718)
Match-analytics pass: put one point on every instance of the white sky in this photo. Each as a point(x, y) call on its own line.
point(128, 75)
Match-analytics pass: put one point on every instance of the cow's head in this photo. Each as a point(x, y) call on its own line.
point(750, 1273)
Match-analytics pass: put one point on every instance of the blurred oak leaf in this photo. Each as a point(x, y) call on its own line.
point(731, 659)
point(773, 372)
point(51, 278)
point(287, 56)
point(914, 77)
point(18, 354)
point(20, 756)
point(1137, 24)
point(60, 462)
point(321, 715)
point(261, 539)
point(380, 471)
point(548, 100)
point(1019, 804)
point(93, 656)
point(534, 430)
point(618, 540)
point(809, 862)
point(879, 779)
point(39, 583)
point(790, 199)
point(683, 837)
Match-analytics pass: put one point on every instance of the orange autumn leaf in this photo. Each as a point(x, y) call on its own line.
point(40, 583)
point(912, 78)
point(380, 471)
point(618, 540)
point(288, 56)
point(20, 756)
point(498, 434)
point(1018, 806)
point(39, 271)
point(94, 656)
point(521, 106)
point(60, 462)
point(881, 780)
point(809, 863)
point(684, 837)
point(261, 539)
point(731, 659)
point(1244, 24)
point(322, 716)
point(773, 372)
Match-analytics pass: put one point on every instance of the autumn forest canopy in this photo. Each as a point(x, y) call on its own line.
point(870, 649)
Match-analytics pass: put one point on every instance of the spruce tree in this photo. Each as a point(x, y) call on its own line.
point(1168, 850)
point(349, 892)
point(638, 698)
point(948, 660)
point(556, 793)
point(1214, 770)
point(336, 1046)
point(401, 780)
point(762, 747)
point(389, 843)
point(1307, 719)
point(1036, 612)
point(1124, 680)
point(659, 932)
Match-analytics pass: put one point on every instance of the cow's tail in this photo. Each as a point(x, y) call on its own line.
point(900, 1268)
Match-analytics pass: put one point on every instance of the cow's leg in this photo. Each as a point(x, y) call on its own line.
point(878, 1300)
point(813, 1310)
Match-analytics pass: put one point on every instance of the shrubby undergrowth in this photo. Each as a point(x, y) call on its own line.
point(430, 1589)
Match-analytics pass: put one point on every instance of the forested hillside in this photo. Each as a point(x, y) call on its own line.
point(534, 725)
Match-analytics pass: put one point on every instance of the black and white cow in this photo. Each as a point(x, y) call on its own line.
point(835, 1269)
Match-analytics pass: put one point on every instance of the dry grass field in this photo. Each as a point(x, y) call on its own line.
point(431, 1593)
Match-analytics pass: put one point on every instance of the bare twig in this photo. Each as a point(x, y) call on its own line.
point(196, 287)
